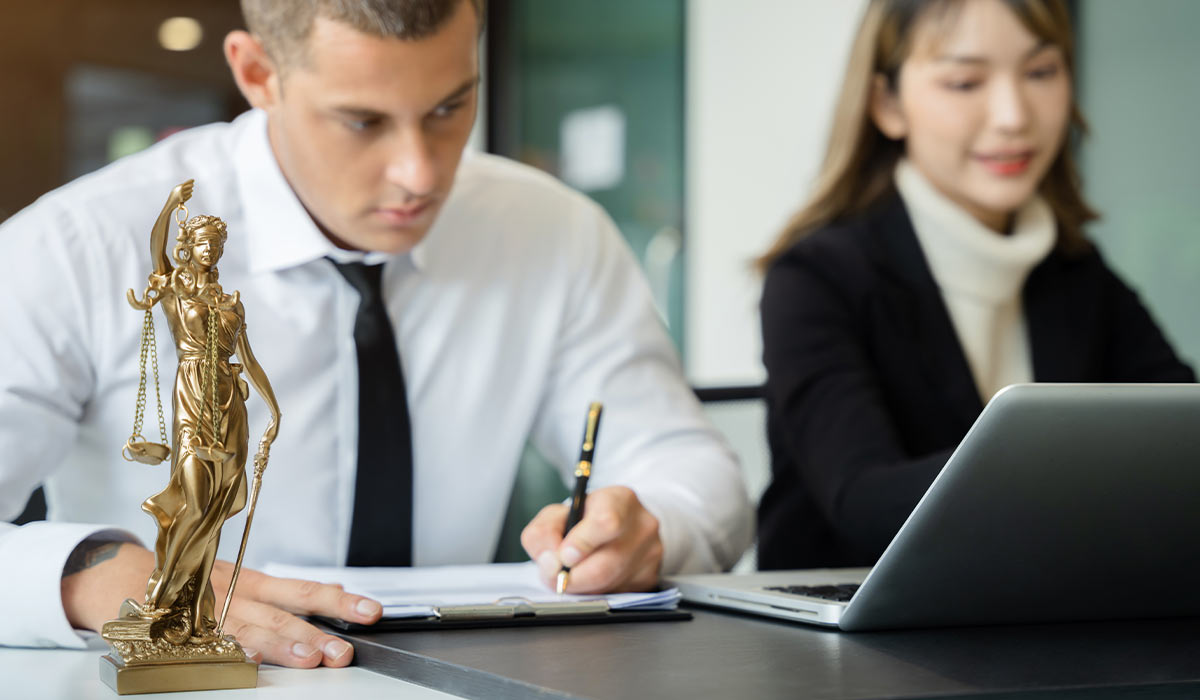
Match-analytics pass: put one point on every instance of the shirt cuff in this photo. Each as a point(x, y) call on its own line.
point(698, 538)
point(31, 608)
point(684, 551)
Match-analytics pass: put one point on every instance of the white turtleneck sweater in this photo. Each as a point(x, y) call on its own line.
point(980, 274)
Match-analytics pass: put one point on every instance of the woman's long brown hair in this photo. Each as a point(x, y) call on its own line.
point(859, 160)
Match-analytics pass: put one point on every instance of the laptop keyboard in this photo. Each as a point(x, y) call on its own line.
point(841, 592)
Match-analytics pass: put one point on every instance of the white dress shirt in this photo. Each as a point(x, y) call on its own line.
point(521, 306)
point(980, 274)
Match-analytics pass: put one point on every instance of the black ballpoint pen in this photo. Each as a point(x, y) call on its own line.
point(582, 471)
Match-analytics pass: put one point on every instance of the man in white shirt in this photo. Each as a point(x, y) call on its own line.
point(513, 301)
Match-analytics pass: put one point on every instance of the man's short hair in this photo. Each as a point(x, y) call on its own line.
point(284, 25)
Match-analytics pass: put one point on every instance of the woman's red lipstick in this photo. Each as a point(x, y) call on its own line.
point(1006, 164)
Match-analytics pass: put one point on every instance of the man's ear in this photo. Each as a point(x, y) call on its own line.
point(254, 72)
point(886, 111)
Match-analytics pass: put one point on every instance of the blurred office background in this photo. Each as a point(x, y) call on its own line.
point(698, 124)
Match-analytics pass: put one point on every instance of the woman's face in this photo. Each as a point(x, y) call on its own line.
point(206, 250)
point(983, 107)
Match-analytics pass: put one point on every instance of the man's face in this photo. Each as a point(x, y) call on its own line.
point(369, 131)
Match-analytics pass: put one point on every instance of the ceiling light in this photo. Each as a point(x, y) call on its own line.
point(180, 34)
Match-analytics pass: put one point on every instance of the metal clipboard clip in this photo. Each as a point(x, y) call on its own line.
point(513, 607)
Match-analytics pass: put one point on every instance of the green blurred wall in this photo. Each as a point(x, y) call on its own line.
point(1140, 90)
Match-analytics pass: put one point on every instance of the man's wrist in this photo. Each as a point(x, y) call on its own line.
point(98, 576)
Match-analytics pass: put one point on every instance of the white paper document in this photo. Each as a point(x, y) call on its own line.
point(420, 591)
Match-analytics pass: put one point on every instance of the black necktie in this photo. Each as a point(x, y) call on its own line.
point(381, 530)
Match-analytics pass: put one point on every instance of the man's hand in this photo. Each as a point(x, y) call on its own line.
point(262, 616)
point(614, 548)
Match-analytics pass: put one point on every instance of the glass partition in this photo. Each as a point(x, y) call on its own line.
point(593, 93)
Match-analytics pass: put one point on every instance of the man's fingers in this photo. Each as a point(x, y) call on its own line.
point(261, 617)
point(544, 533)
point(247, 585)
point(602, 572)
point(605, 517)
point(274, 648)
point(615, 547)
point(285, 639)
point(630, 563)
point(298, 596)
point(312, 598)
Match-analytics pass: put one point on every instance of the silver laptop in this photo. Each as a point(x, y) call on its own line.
point(1063, 502)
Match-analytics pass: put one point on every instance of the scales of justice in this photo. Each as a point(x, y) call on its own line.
point(173, 640)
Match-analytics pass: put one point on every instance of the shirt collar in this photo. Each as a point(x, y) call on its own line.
point(280, 232)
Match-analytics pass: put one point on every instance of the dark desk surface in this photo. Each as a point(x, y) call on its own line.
point(720, 655)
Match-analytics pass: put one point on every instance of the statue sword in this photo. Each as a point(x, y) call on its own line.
point(260, 465)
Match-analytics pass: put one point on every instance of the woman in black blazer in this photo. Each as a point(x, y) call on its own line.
point(940, 258)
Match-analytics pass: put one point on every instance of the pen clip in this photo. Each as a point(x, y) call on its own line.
point(590, 429)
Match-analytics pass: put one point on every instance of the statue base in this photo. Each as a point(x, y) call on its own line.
point(152, 652)
point(171, 677)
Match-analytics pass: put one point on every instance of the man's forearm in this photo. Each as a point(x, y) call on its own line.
point(98, 576)
point(90, 553)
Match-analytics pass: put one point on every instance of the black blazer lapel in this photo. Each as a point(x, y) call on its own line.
point(1058, 341)
point(934, 343)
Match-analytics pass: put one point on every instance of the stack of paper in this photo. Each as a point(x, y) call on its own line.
point(418, 592)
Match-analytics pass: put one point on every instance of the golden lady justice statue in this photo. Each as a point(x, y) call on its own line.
point(173, 641)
